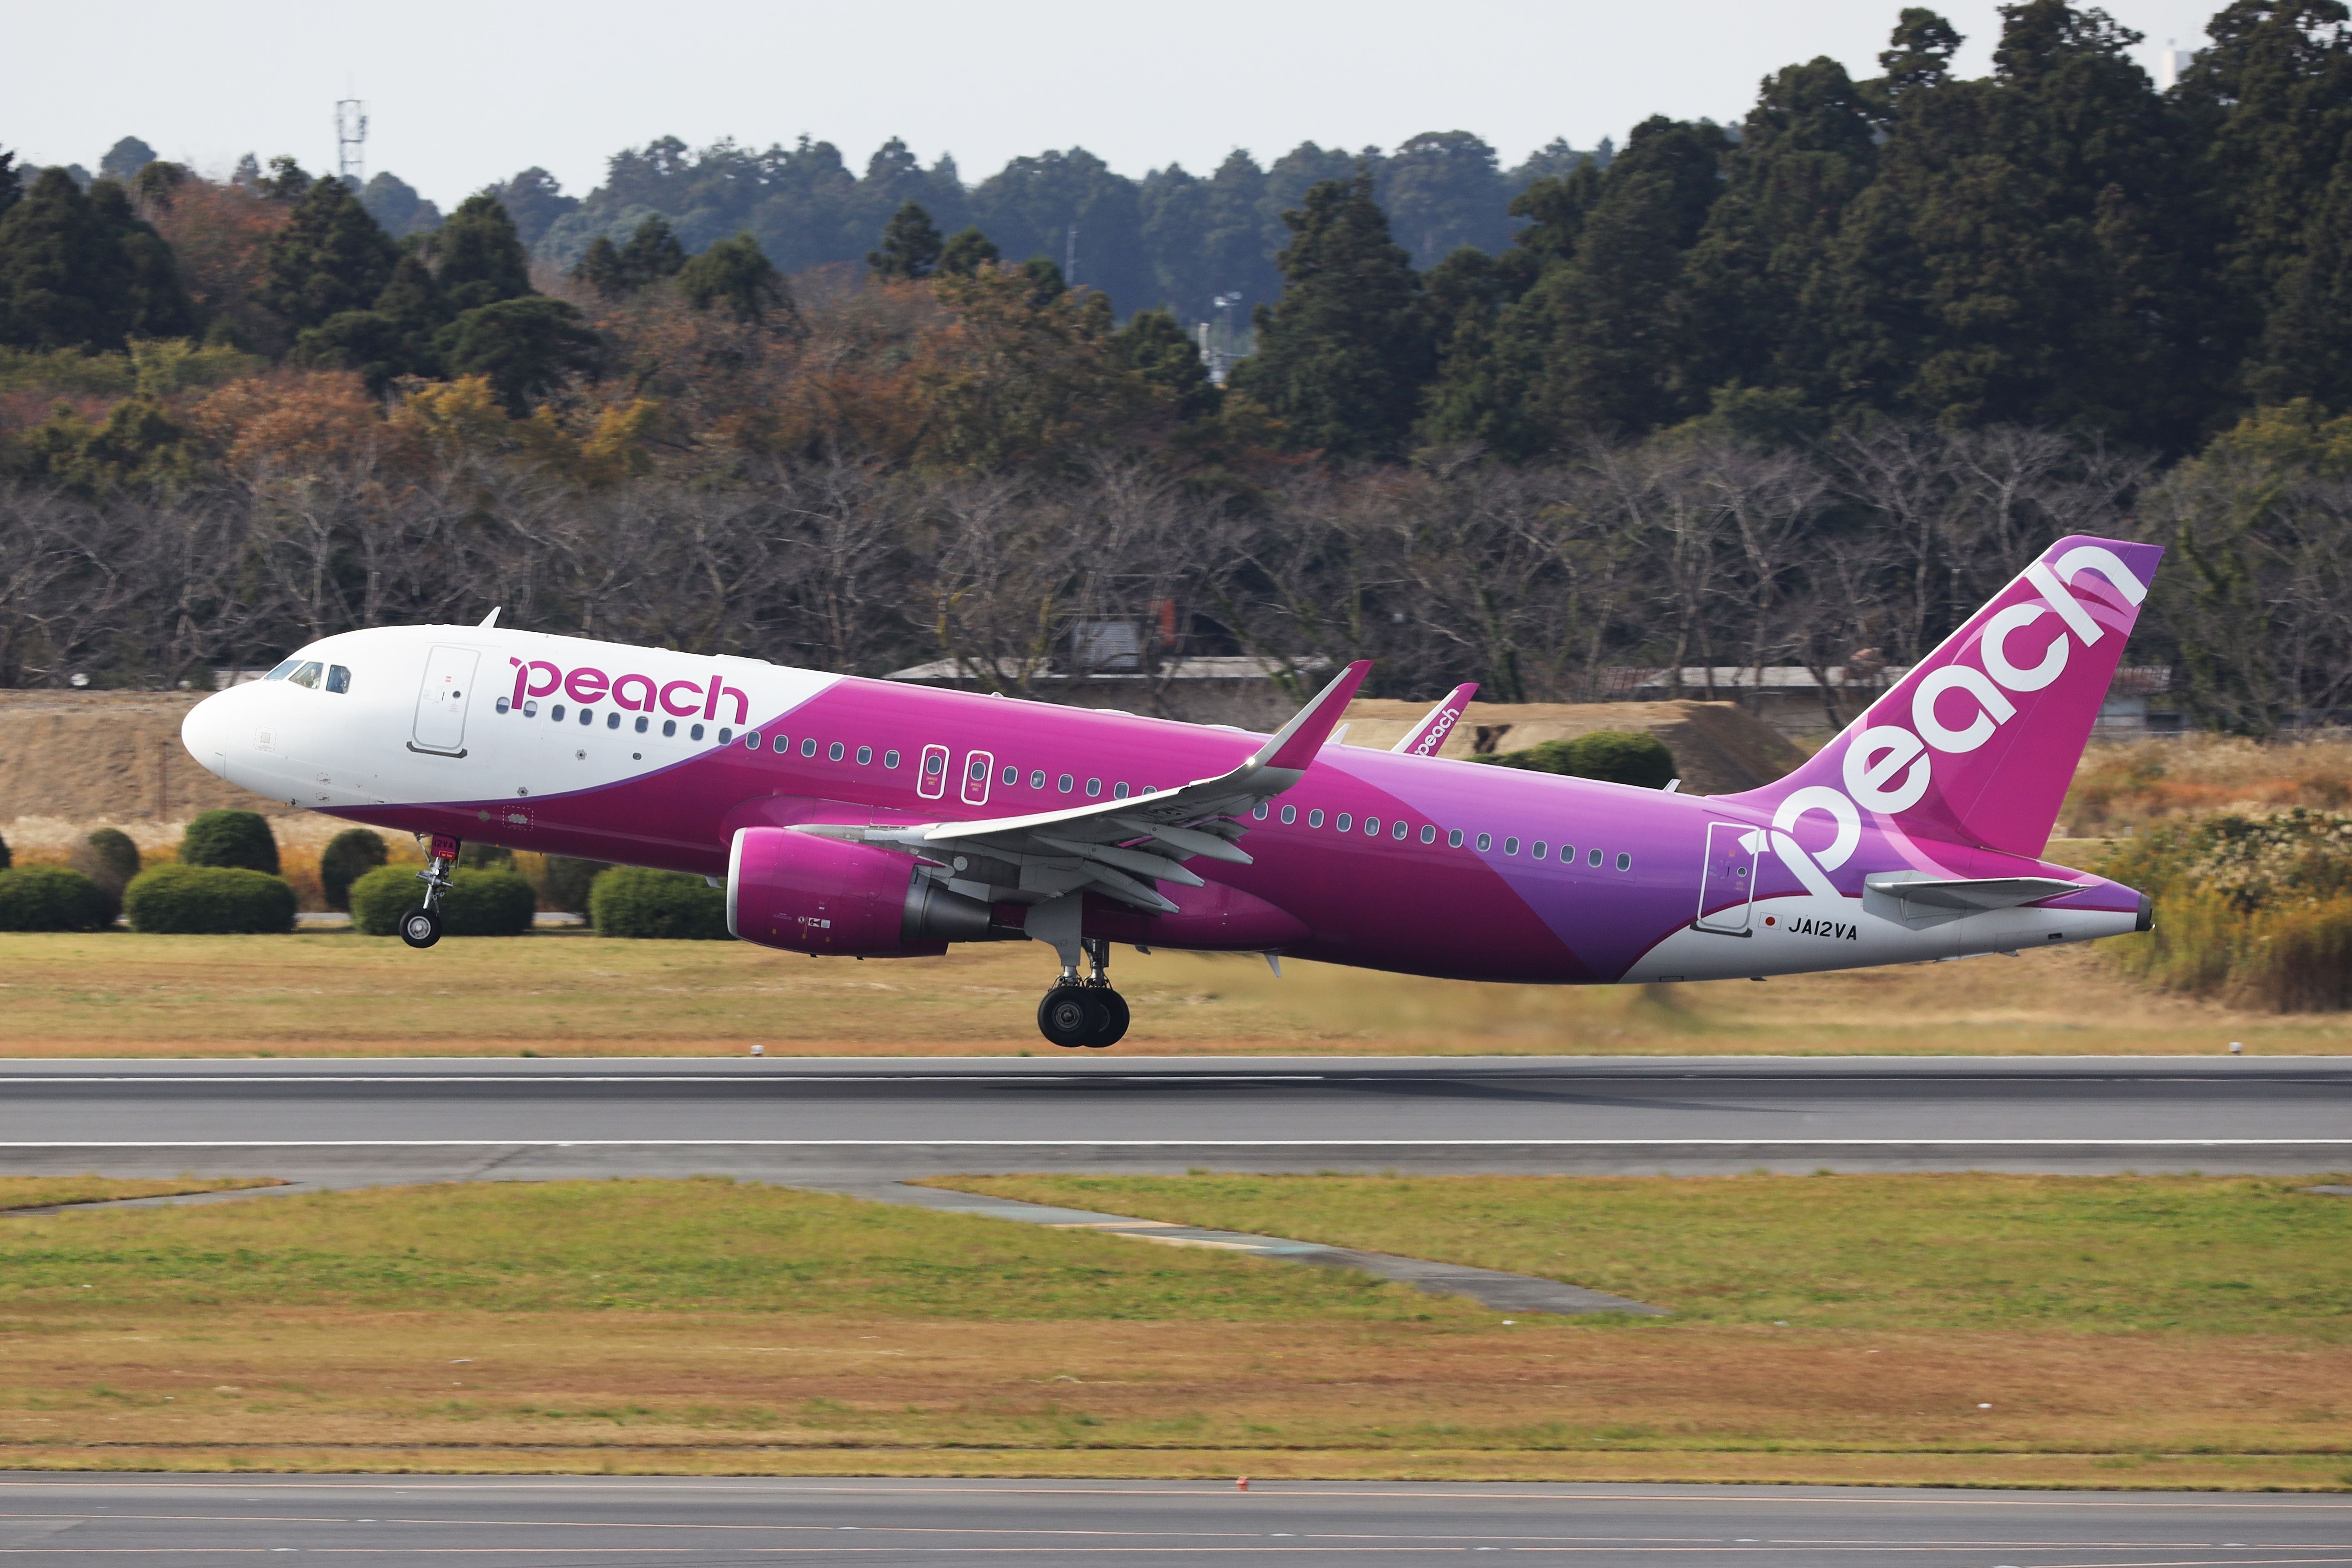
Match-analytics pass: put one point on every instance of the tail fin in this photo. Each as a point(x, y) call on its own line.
point(1979, 741)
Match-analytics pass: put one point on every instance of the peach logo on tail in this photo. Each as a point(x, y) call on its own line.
point(637, 693)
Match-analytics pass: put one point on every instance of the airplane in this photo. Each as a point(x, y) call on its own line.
point(854, 817)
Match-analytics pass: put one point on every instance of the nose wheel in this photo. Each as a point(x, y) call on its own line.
point(421, 927)
point(1088, 1012)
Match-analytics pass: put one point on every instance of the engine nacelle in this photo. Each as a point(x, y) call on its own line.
point(807, 893)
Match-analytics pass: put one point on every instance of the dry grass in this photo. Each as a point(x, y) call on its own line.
point(335, 994)
point(2121, 787)
point(765, 1332)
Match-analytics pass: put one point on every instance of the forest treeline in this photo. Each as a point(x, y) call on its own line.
point(1796, 391)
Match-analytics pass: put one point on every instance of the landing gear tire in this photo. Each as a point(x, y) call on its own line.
point(1071, 1015)
point(1114, 1016)
point(420, 927)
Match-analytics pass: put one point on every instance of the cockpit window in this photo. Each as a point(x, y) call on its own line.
point(338, 677)
point(307, 675)
point(283, 670)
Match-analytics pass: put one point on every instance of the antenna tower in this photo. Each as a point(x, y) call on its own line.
point(350, 140)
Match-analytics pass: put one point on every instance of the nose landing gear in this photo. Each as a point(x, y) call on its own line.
point(421, 927)
point(1088, 1013)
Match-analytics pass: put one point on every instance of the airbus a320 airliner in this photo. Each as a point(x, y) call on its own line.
point(856, 817)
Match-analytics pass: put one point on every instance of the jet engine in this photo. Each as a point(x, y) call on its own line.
point(807, 893)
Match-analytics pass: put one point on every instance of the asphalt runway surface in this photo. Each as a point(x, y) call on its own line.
point(616, 1521)
point(849, 1118)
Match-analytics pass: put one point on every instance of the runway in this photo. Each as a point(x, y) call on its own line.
point(606, 1521)
point(379, 1119)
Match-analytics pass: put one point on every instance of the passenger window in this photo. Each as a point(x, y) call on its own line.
point(1094, 788)
point(669, 728)
point(1315, 817)
point(1344, 822)
point(695, 733)
point(1011, 775)
point(889, 759)
point(783, 744)
point(865, 756)
point(1567, 854)
point(726, 735)
point(1453, 838)
point(531, 709)
point(1486, 842)
point(1594, 858)
point(1371, 827)
point(808, 747)
point(933, 762)
point(1400, 830)
point(555, 715)
point(1536, 850)
point(1065, 784)
point(977, 772)
point(644, 725)
point(1624, 862)
point(502, 704)
point(587, 715)
point(1289, 814)
point(339, 679)
point(1510, 845)
point(613, 719)
point(283, 670)
point(1037, 779)
point(835, 751)
point(1429, 833)
point(751, 739)
point(1118, 791)
point(1260, 812)
point(307, 675)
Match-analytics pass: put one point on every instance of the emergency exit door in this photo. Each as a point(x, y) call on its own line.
point(1727, 889)
point(441, 700)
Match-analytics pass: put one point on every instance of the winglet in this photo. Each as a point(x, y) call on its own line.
point(1295, 744)
point(1423, 738)
point(492, 618)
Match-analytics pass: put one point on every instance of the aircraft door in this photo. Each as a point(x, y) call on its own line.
point(441, 700)
point(977, 766)
point(1727, 889)
point(931, 781)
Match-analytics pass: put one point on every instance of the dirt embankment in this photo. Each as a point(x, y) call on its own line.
point(1719, 747)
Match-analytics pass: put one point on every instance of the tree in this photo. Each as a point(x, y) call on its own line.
point(966, 252)
point(652, 254)
point(481, 258)
point(1031, 206)
point(395, 337)
point(910, 246)
point(524, 347)
point(124, 159)
point(396, 207)
point(83, 271)
point(735, 275)
point(11, 189)
point(329, 258)
point(1444, 190)
point(1153, 346)
point(535, 201)
point(1342, 357)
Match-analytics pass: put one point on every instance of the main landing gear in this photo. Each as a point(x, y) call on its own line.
point(1084, 1013)
point(421, 927)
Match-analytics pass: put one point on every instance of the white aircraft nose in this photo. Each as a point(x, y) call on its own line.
point(205, 731)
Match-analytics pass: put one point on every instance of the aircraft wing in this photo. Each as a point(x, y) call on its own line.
point(1423, 738)
point(1121, 848)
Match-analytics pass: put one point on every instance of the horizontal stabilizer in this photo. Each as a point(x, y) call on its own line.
point(1917, 897)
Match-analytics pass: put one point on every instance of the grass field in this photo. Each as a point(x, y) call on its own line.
point(1965, 1330)
point(337, 993)
point(43, 1192)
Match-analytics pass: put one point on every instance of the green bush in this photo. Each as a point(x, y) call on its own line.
point(2254, 910)
point(209, 900)
point(225, 837)
point(50, 898)
point(1616, 756)
point(108, 858)
point(6, 859)
point(349, 856)
point(478, 903)
point(564, 882)
point(486, 858)
point(630, 901)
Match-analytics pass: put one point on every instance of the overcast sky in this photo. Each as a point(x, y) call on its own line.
point(463, 94)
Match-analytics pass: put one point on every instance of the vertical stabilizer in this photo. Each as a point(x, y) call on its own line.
point(1977, 744)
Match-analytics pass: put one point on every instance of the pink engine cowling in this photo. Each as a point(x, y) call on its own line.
point(804, 892)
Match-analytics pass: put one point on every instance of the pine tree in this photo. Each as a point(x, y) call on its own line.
point(1343, 356)
point(481, 258)
point(736, 276)
point(910, 246)
point(124, 159)
point(82, 271)
point(1153, 346)
point(330, 257)
point(966, 252)
point(652, 255)
point(524, 347)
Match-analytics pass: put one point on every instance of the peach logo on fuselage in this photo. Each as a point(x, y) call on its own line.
point(637, 693)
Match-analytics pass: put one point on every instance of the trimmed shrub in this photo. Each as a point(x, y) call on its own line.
point(108, 858)
point(349, 856)
point(478, 903)
point(6, 859)
point(630, 901)
point(50, 898)
point(564, 882)
point(226, 837)
point(209, 900)
point(486, 858)
point(1615, 757)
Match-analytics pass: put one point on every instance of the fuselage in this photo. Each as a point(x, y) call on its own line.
point(1419, 864)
